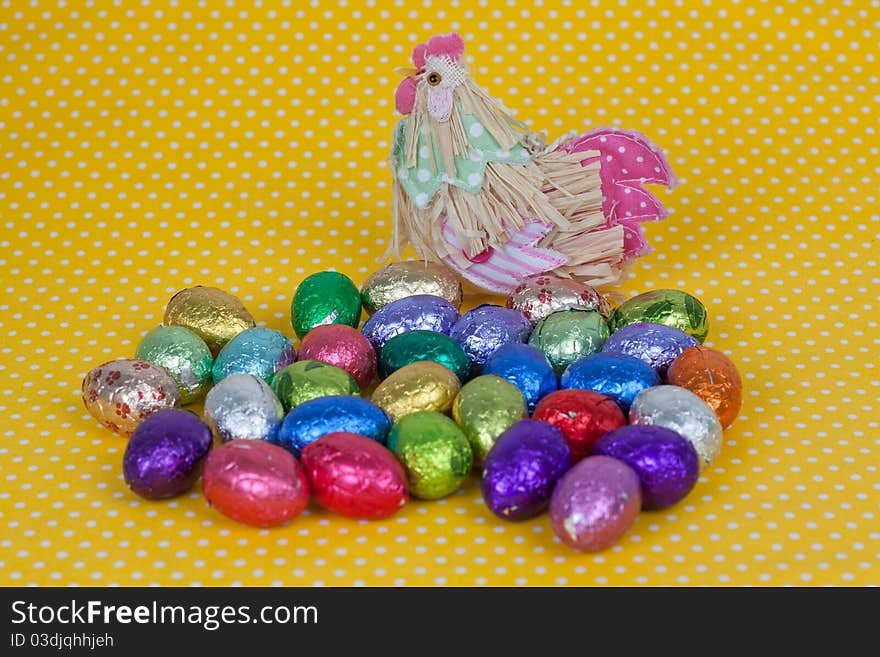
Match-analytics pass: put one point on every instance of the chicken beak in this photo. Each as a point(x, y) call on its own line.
point(407, 72)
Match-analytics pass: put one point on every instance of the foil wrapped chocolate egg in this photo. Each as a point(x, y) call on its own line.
point(595, 503)
point(183, 354)
point(522, 469)
point(164, 456)
point(711, 376)
point(685, 413)
point(354, 476)
point(121, 394)
point(243, 407)
point(258, 351)
point(617, 376)
point(318, 417)
point(583, 417)
point(567, 335)
point(434, 453)
point(414, 346)
point(327, 297)
point(212, 314)
point(541, 295)
point(309, 379)
point(526, 368)
point(400, 280)
point(674, 308)
point(667, 464)
point(484, 409)
point(420, 386)
point(422, 312)
point(255, 482)
point(656, 344)
point(482, 330)
point(344, 347)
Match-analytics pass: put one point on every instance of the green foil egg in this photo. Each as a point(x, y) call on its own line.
point(674, 308)
point(184, 354)
point(414, 346)
point(310, 379)
point(567, 335)
point(327, 297)
point(433, 451)
point(484, 409)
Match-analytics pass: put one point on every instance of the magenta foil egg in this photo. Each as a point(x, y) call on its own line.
point(343, 347)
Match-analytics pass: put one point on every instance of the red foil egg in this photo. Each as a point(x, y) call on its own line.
point(355, 476)
point(255, 482)
point(344, 347)
point(583, 416)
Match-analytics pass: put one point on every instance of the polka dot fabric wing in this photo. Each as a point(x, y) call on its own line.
point(150, 146)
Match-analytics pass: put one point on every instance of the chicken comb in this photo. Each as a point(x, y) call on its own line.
point(449, 45)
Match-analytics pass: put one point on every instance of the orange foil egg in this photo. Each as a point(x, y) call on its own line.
point(713, 377)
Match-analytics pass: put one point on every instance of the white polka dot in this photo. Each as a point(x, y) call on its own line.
point(476, 129)
point(424, 175)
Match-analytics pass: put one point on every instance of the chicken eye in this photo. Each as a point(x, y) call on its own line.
point(434, 79)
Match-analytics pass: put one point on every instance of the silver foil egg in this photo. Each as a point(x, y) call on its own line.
point(243, 407)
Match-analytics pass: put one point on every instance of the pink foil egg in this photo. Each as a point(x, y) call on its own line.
point(344, 347)
point(355, 476)
point(255, 482)
point(595, 503)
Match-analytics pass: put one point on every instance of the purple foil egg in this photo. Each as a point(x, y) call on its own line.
point(164, 455)
point(421, 312)
point(485, 328)
point(667, 464)
point(656, 344)
point(522, 468)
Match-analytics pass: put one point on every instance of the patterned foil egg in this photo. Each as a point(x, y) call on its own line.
point(121, 394)
point(327, 297)
point(406, 348)
point(617, 376)
point(183, 354)
point(682, 411)
point(670, 307)
point(595, 503)
point(526, 368)
point(540, 296)
point(711, 376)
point(212, 314)
point(163, 457)
point(522, 469)
point(344, 347)
point(485, 328)
point(309, 379)
point(400, 280)
point(255, 482)
point(583, 417)
point(318, 417)
point(422, 312)
point(656, 344)
point(355, 476)
point(243, 407)
point(567, 335)
point(419, 386)
point(484, 409)
point(257, 351)
point(434, 453)
point(667, 464)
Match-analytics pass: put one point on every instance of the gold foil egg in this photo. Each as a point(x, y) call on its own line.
point(212, 314)
point(400, 280)
point(484, 409)
point(420, 386)
point(123, 393)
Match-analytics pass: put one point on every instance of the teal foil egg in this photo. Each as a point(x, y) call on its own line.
point(257, 351)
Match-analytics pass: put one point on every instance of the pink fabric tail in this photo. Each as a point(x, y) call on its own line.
point(629, 160)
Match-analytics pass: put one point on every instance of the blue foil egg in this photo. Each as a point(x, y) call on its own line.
point(319, 417)
point(257, 351)
point(526, 368)
point(485, 328)
point(420, 312)
point(656, 344)
point(618, 376)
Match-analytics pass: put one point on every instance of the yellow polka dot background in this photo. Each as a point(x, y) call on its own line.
point(149, 146)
